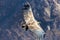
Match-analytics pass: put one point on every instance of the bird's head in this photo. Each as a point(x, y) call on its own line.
point(24, 26)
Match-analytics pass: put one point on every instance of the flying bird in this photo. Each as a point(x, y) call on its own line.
point(30, 22)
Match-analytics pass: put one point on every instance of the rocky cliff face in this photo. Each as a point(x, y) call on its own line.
point(45, 11)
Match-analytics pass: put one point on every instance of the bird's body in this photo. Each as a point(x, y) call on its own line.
point(32, 23)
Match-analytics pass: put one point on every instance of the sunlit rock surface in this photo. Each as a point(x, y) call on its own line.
point(45, 11)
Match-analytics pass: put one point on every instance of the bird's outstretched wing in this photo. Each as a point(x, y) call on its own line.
point(31, 22)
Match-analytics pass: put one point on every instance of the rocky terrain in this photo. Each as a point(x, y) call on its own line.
point(45, 11)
